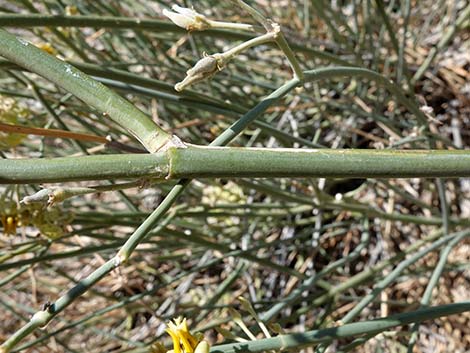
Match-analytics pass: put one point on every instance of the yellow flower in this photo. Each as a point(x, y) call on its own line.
point(48, 48)
point(11, 113)
point(183, 340)
point(9, 223)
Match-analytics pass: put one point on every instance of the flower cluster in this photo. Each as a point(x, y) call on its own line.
point(11, 113)
point(50, 221)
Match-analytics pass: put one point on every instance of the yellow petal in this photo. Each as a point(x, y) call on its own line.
point(175, 339)
point(185, 340)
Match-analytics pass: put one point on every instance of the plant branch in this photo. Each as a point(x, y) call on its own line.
point(446, 38)
point(107, 102)
point(310, 338)
point(226, 137)
point(216, 162)
point(36, 20)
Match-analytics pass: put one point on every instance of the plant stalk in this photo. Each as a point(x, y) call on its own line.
point(310, 338)
point(95, 94)
point(234, 162)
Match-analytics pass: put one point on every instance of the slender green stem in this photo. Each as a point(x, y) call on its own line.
point(262, 39)
point(401, 67)
point(447, 37)
point(231, 26)
point(456, 237)
point(310, 282)
point(290, 55)
point(35, 20)
point(84, 87)
point(310, 338)
point(325, 73)
point(279, 38)
point(385, 19)
point(39, 20)
point(41, 318)
point(367, 274)
point(436, 274)
point(254, 13)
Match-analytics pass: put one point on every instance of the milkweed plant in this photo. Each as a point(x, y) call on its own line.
point(224, 176)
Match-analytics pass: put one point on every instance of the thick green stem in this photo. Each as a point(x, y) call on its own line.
point(95, 94)
point(217, 162)
point(253, 162)
point(51, 170)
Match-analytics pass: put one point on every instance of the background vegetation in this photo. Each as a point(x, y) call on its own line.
point(307, 253)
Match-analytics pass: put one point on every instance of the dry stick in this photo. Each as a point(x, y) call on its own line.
point(18, 129)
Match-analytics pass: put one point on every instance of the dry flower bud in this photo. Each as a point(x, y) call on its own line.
point(204, 68)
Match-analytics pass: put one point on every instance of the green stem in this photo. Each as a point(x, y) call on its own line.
point(95, 94)
point(274, 29)
point(397, 271)
point(448, 36)
point(324, 73)
point(310, 282)
point(41, 20)
point(367, 274)
point(82, 168)
point(294, 63)
point(157, 26)
point(310, 338)
point(217, 162)
point(157, 215)
point(223, 139)
point(41, 318)
point(436, 274)
point(262, 39)
point(197, 162)
point(254, 13)
point(388, 26)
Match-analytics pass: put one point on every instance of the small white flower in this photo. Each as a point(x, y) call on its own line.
point(187, 18)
